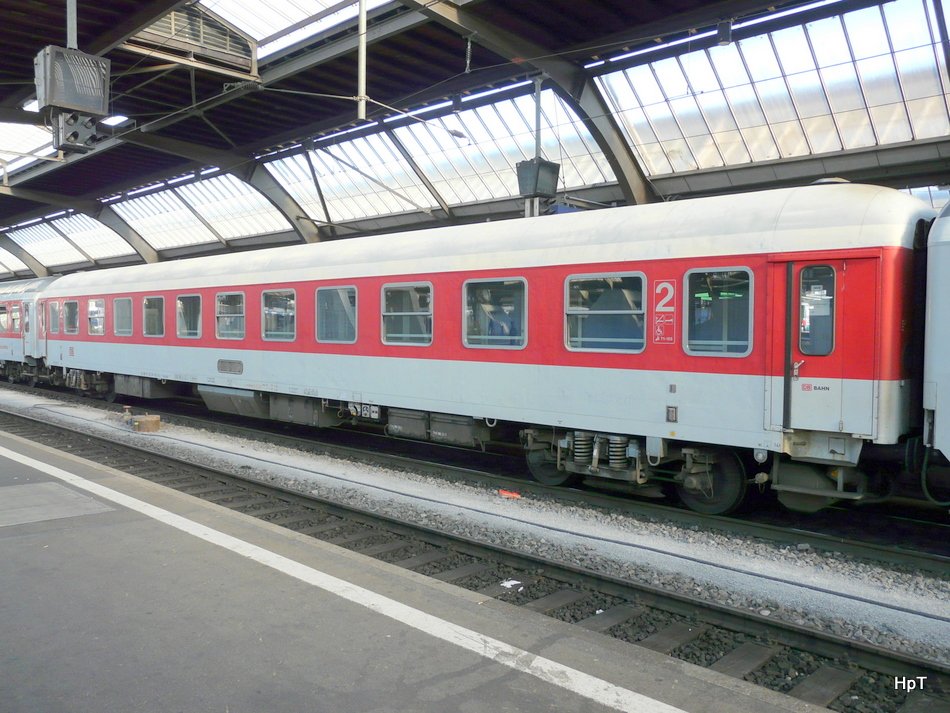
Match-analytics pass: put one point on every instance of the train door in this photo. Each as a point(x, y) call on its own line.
point(829, 364)
point(31, 341)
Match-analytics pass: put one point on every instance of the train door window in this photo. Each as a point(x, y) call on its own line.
point(188, 316)
point(54, 317)
point(495, 313)
point(407, 314)
point(605, 312)
point(279, 315)
point(4, 319)
point(719, 312)
point(153, 316)
point(15, 318)
point(816, 336)
point(71, 317)
point(336, 315)
point(96, 317)
point(122, 316)
point(229, 315)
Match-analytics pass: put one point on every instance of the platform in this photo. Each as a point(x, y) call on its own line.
point(119, 595)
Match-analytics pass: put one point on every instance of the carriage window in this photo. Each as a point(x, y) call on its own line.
point(122, 316)
point(71, 317)
point(15, 318)
point(407, 314)
point(280, 309)
point(229, 315)
point(719, 304)
point(816, 335)
point(605, 312)
point(4, 319)
point(153, 310)
point(188, 316)
point(96, 317)
point(336, 314)
point(54, 317)
point(495, 313)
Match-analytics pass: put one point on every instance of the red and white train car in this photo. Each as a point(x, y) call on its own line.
point(764, 337)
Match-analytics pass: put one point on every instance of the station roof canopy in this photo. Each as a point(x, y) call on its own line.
point(234, 123)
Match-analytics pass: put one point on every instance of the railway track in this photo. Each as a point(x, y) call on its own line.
point(807, 664)
point(901, 539)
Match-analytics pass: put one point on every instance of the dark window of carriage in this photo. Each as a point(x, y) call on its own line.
point(279, 314)
point(54, 317)
point(495, 313)
point(122, 316)
point(336, 315)
point(605, 312)
point(719, 312)
point(153, 313)
point(188, 316)
point(407, 314)
point(816, 336)
point(4, 319)
point(71, 317)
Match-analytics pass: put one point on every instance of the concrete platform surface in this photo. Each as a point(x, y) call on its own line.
point(120, 596)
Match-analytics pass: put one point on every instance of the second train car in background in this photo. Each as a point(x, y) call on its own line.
point(773, 339)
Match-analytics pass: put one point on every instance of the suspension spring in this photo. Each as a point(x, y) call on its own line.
point(617, 451)
point(583, 447)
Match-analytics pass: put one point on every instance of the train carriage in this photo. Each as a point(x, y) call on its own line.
point(708, 343)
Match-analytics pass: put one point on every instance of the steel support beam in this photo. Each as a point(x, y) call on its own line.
point(420, 174)
point(93, 209)
point(572, 82)
point(11, 246)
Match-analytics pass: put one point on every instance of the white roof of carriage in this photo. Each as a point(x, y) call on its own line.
point(821, 217)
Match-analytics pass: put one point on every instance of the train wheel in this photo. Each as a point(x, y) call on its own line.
point(543, 467)
point(718, 492)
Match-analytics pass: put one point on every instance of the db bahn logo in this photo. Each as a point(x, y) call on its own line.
point(813, 387)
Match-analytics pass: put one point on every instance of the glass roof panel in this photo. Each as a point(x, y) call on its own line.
point(808, 94)
point(829, 42)
point(294, 174)
point(272, 28)
point(822, 134)
point(716, 111)
point(671, 78)
point(760, 58)
point(499, 135)
point(164, 220)
point(794, 92)
point(793, 50)
point(17, 139)
point(730, 69)
point(879, 81)
point(47, 245)
point(856, 129)
point(844, 90)
point(368, 177)
point(776, 101)
point(699, 73)
point(891, 123)
point(866, 33)
point(907, 25)
point(928, 117)
point(918, 73)
point(233, 208)
point(96, 240)
point(10, 263)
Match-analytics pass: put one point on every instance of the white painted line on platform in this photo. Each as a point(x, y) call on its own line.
point(583, 684)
